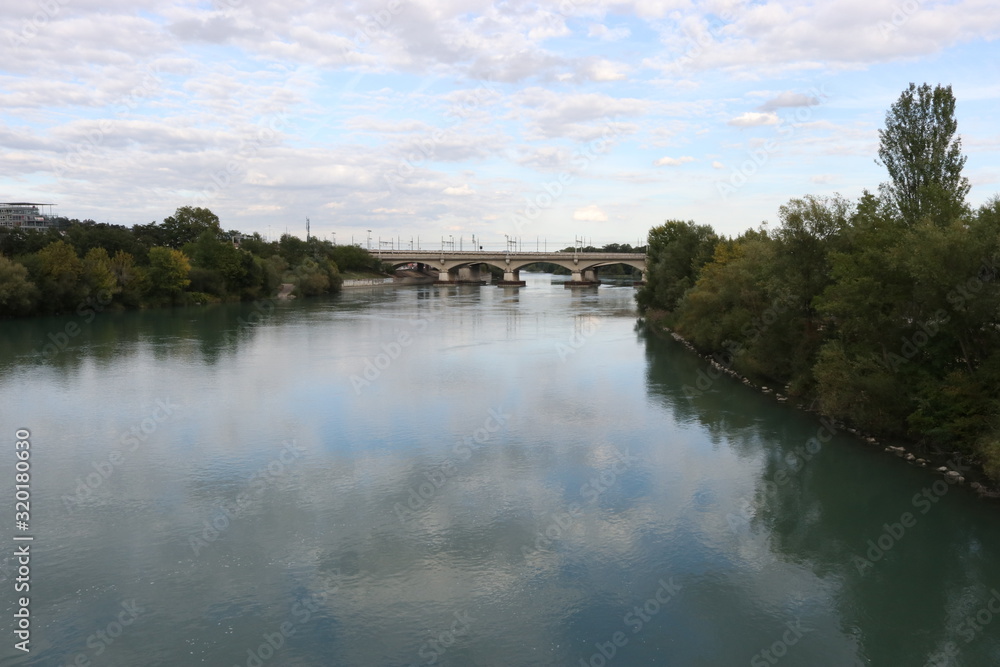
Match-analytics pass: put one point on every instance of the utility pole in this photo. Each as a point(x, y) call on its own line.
point(307, 230)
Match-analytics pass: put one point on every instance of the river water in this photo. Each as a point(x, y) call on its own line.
point(459, 476)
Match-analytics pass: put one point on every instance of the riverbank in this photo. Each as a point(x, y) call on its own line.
point(367, 282)
point(955, 467)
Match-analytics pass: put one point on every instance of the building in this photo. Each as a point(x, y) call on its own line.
point(25, 215)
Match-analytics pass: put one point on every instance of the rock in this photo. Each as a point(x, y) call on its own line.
point(911, 457)
point(953, 475)
point(942, 469)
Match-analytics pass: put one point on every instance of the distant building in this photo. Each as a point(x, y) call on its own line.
point(25, 215)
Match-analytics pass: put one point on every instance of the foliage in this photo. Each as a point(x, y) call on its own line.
point(186, 259)
point(923, 156)
point(676, 251)
point(187, 224)
point(17, 293)
point(58, 272)
point(168, 274)
point(882, 312)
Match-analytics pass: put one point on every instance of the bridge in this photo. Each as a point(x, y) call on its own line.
point(465, 267)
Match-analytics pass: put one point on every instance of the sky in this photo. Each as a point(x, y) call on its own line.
point(423, 120)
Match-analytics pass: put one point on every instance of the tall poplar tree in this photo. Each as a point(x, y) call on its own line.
point(923, 155)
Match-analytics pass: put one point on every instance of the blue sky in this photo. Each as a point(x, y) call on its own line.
point(541, 120)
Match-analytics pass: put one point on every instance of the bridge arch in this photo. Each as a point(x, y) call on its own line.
point(456, 267)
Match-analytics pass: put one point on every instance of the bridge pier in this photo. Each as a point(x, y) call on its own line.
point(446, 277)
point(511, 278)
point(583, 278)
point(471, 275)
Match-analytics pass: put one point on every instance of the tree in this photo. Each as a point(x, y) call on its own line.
point(923, 155)
point(129, 278)
point(168, 273)
point(17, 292)
point(188, 223)
point(59, 272)
point(98, 278)
point(675, 254)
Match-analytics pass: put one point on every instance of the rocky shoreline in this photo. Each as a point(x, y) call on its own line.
point(950, 465)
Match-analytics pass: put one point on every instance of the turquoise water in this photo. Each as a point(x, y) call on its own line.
point(460, 476)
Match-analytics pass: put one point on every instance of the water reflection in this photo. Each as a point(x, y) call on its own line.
point(526, 469)
point(822, 504)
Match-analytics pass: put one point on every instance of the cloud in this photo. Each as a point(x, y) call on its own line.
point(754, 119)
point(152, 105)
point(822, 178)
point(544, 158)
point(604, 70)
point(602, 31)
point(673, 161)
point(591, 213)
point(580, 116)
point(788, 99)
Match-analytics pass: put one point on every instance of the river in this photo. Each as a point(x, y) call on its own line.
point(459, 476)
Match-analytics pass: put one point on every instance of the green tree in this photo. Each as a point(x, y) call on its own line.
point(923, 155)
point(187, 224)
point(98, 279)
point(59, 277)
point(129, 277)
point(17, 293)
point(293, 249)
point(675, 254)
point(168, 274)
point(313, 278)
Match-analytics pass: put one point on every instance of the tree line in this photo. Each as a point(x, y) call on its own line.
point(882, 312)
point(186, 259)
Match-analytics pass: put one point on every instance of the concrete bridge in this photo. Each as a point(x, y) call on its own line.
point(465, 267)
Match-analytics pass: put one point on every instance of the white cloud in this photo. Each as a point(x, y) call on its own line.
point(604, 70)
point(592, 213)
point(788, 99)
point(582, 116)
point(673, 161)
point(602, 31)
point(753, 119)
point(466, 97)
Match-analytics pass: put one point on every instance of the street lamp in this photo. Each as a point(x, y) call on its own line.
point(369, 239)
